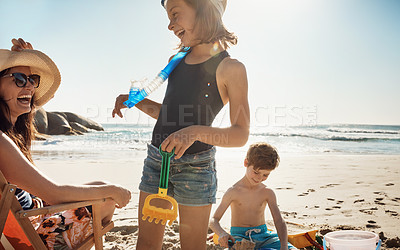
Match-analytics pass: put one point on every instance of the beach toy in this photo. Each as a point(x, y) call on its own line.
point(306, 239)
point(215, 239)
point(153, 212)
point(352, 240)
point(138, 94)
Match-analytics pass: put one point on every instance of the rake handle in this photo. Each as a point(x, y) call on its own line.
point(165, 163)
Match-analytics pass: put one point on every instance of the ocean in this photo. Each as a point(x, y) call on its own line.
point(118, 139)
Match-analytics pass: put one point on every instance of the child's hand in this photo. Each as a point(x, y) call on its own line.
point(180, 140)
point(119, 104)
point(223, 240)
point(20, 44)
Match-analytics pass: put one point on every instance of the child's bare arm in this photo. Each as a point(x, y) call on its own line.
point(279, 222)
point(223, 236)
point(147, 106)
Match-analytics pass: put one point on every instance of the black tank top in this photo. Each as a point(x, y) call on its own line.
point(192, 98)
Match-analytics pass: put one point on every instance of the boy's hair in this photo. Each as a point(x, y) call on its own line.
point(262, 156)
point(209, 23)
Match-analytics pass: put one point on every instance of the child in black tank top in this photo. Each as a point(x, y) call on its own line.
point(203, 82)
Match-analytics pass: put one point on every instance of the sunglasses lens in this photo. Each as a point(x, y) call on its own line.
point(34, 80)
point(20, 79)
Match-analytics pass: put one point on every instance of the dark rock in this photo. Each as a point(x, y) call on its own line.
point(63, 123)
point(71, 117)
point(57, 125)
point(78, 127)
point(41, 121)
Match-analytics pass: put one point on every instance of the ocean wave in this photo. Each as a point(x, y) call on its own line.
point(360, 139)
point(51, 142)
point(327, 137)
point(301, 139)
point(363, 131)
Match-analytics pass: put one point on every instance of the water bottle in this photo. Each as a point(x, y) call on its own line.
point(137, 94)
point(153, 85)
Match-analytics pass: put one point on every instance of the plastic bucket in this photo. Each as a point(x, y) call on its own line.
point(351, 240)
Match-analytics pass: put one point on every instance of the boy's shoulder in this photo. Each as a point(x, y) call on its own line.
point(235, 189)
point(267, 190)
point(239, 192)
point(239, 187)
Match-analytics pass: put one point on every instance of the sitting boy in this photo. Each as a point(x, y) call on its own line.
point(248, 198)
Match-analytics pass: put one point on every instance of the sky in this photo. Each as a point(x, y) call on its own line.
point(308, 62)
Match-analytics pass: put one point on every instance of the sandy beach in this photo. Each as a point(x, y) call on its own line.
point(325, 192)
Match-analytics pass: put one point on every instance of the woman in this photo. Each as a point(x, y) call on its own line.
point(28, 79)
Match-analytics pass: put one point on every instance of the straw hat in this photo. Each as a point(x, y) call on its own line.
point(40, 64)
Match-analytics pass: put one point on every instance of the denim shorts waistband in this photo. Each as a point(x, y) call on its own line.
point(153, 152)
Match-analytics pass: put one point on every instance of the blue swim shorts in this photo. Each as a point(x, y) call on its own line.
point(260, 235)
point(192, 178)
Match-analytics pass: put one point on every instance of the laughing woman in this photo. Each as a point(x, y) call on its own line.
point(29, 79)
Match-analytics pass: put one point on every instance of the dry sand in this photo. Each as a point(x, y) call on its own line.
point(325, 192)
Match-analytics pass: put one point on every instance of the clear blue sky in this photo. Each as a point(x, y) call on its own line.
point(335, 60)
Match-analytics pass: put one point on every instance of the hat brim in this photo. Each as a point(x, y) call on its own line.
point(40, 64)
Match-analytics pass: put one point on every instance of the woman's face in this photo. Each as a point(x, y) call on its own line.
point(18, 99)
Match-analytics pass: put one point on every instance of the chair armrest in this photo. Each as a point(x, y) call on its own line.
point(88, 243)
point(58, 208)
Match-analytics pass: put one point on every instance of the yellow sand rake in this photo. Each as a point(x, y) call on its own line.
point(153, 212)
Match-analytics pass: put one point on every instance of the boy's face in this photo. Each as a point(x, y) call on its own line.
point(256, 176)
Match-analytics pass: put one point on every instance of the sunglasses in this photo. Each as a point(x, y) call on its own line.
point(21, 79)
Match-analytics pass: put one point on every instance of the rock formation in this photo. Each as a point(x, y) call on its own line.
point(63, 123)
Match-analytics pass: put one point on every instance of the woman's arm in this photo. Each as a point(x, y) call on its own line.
point(147, 106)
point(279, 222)
point(19, 171)
point(234, 86)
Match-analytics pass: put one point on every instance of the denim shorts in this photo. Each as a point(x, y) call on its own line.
point(192, 178)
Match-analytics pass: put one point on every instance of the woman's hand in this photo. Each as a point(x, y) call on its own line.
point(119, 104)
point(121, 196)
point(181, 140)
point(20, 44)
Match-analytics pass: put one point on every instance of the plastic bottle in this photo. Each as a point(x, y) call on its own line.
point(138, 94)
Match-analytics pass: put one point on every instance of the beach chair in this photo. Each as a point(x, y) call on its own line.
point(18, 233)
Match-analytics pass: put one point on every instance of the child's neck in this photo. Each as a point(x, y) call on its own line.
point(245, 183)
point(202, 52)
